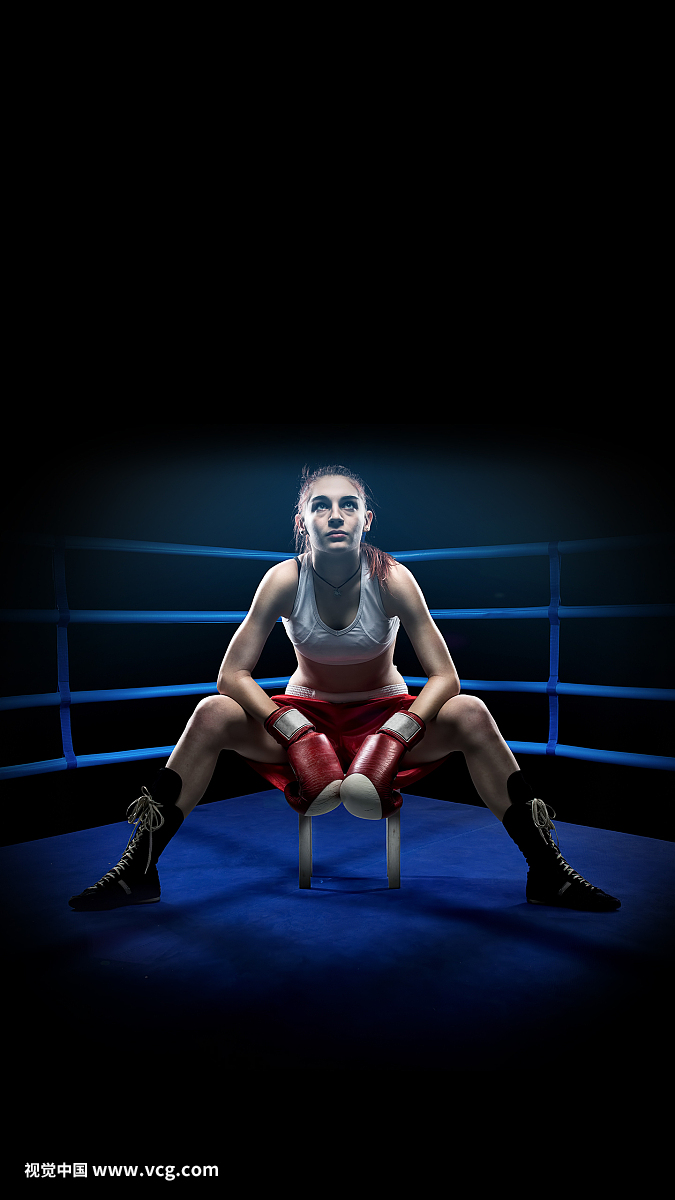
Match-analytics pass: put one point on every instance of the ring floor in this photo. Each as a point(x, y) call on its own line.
point(237, 971)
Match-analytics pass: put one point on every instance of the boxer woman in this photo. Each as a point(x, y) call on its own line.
point(346, 730)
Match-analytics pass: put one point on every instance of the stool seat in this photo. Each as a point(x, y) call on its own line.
point(393, 850)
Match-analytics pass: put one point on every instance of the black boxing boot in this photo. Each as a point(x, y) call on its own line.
point(135, 879)
point(550, 880)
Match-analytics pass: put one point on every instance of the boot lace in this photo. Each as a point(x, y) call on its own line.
point(145, 814)
point(542, 820)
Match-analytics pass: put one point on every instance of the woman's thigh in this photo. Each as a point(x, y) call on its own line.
point(461, 723)
point(223, 723)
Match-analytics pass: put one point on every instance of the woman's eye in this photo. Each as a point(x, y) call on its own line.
point(321, 504)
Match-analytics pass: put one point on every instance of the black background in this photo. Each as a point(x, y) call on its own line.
point(435, 485)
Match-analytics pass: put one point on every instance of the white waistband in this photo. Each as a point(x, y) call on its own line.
point(394, 689)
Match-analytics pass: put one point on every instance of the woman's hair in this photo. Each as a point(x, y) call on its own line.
point(379, 562)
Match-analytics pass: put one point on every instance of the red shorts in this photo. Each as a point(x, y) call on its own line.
point(345, 726)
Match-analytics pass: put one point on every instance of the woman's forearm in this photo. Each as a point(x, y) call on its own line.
point(436, 691)
point(242, 688)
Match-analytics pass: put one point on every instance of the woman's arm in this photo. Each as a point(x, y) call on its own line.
point(404, 598)
point(274, 598)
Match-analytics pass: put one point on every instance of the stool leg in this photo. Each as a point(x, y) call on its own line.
point(394, 850)
point(305, 848)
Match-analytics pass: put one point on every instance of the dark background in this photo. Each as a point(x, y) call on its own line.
point(435, 485)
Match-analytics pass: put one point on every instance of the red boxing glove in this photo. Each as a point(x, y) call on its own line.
point(367, 790)
point(316, 766)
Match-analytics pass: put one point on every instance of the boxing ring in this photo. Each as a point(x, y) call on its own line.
point(240, 972)
point(62, 616)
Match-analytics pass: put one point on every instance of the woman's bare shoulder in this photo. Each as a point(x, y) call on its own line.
point(400, 591)
point(277, 588)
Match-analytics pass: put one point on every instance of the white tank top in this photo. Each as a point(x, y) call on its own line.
point(370, 633)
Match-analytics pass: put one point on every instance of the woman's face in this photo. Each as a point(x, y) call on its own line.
point(335, 515)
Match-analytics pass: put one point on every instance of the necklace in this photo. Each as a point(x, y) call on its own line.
point(337, 589)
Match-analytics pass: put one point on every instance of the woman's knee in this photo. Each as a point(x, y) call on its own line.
point(214, 718)
point(468, 717)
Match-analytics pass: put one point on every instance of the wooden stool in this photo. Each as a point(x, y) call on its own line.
point(393, 850)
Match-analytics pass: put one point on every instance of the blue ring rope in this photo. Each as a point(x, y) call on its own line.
point(62, 616)
point(150, 616)
point(517, 550)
